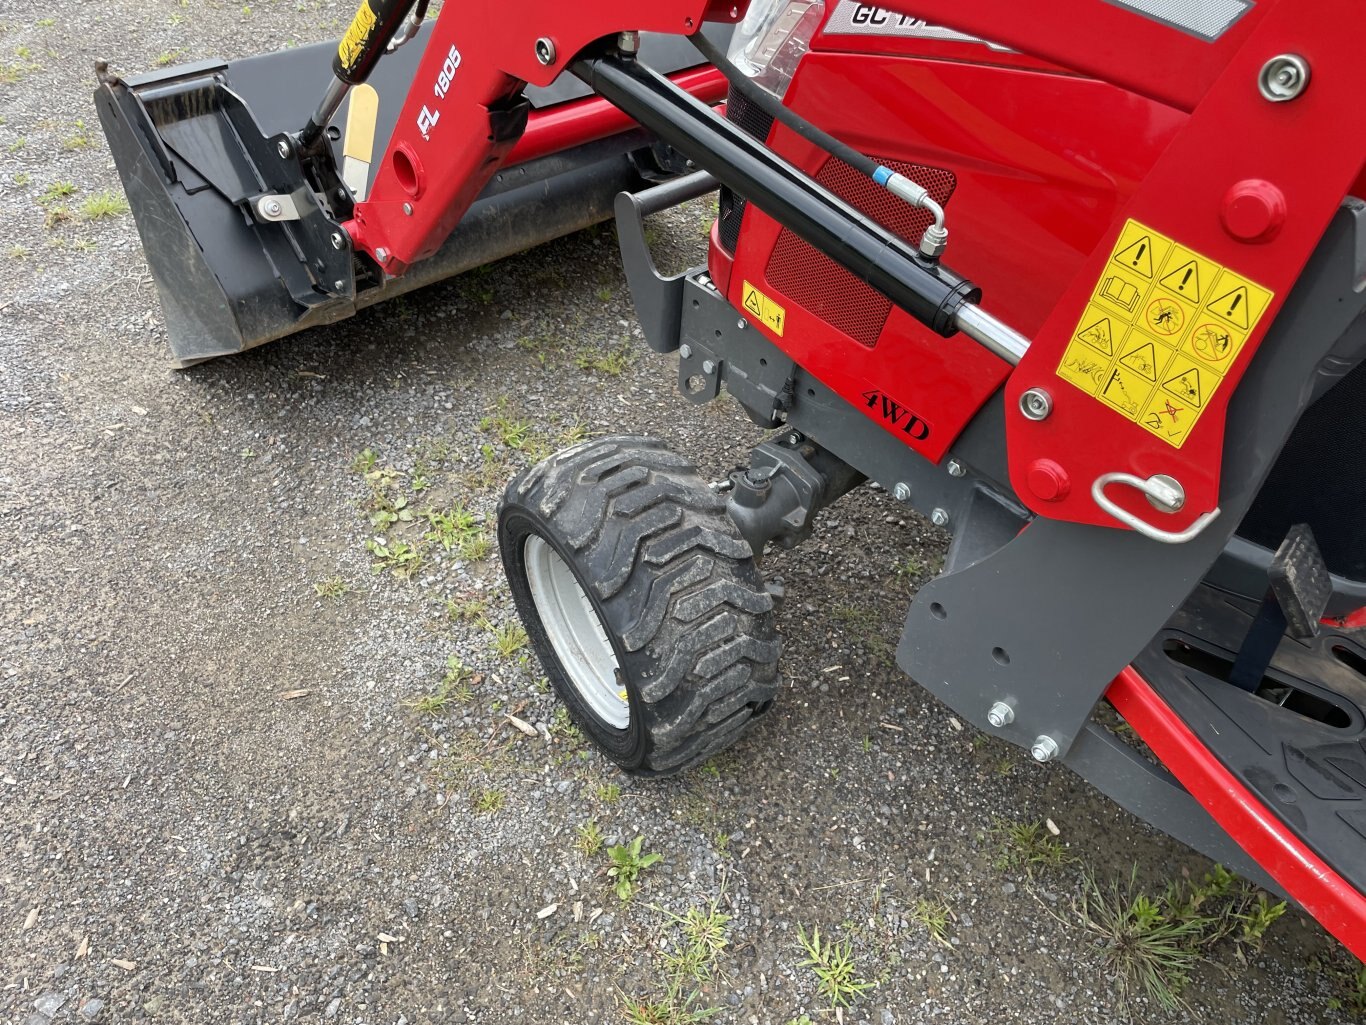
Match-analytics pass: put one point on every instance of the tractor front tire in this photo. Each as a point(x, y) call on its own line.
point(641, 600)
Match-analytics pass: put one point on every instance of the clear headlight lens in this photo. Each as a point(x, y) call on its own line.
point(771, 40)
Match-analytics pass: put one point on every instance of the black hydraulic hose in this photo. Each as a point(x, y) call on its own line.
point(927, 290)
point(771, 105)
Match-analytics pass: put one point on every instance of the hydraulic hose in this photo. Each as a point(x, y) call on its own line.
point(936, 237)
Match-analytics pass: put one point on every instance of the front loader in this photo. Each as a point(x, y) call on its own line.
point(1080, 282)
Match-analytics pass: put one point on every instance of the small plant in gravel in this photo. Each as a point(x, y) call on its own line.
point(18, 253)
point(464, 610)
point(627, 864)
point(167, 57)
point(102, 205)
point(365, 461)
point(590, 839)
point(1154, 943)
point(672, 1009)
point(78, 139)
point(454, 687)
point(612, 362)
point(608, 793)
point(1028, 846)
point(332, 587)
point(398, 557)
point(487, 802)
point(934, 915)
point(508, 639)
point(837, 978)
point(704, 934)
point(1350, 984)
point(56, 191)
point(458, 530)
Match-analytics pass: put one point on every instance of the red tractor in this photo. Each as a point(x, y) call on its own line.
point(1081, 282)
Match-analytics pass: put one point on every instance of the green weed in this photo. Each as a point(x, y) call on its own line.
point(934, 916)
point(837, 978)
point(486, 802)
point(613, 361)
point(56, 191)
point(704, 939)
point(672, 1009)
point(332, 587)
point(398, 557)
point(458, 530)
point(1028, 846)
point(78, 139)
point(609, 793)
point(508, 639)
point(102, 205)
point(465, 609)
point(627, 865)
point(590, 838)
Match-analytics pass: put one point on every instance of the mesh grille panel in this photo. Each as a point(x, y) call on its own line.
point(756, 122)
point(822, 286)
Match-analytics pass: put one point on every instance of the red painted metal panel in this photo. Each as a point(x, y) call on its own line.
point(1337, 905)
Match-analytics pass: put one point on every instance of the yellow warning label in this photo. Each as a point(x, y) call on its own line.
point(1161, 329)
point(763, 309)
point(351, 45)
point(1140, 250)
point(1099, 332)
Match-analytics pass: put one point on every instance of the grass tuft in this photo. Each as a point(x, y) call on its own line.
point(837, 978)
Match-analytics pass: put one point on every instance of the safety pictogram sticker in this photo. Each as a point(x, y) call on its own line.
point(1161, 329)
point(763, 309)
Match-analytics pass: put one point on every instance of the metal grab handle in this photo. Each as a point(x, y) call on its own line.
point(1160, 489)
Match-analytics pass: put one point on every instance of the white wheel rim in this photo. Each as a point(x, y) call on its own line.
point(576, 633)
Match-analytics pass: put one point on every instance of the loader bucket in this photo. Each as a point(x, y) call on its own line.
point(189, 144)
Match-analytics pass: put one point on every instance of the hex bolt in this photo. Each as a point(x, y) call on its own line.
point(902, 491)
point(629, 41)
point(338, 240)
point(407, 209)
point(708, 366)
point(545, 51)
point(282, 148)
point(1000, 715)
point(340, 286)
point(1036, 404)
point(940, 517)
point(1283, 78)
point(956, 469)
point(742, 323)
point(382, 255)
point(685, 350)
point(1044, 749)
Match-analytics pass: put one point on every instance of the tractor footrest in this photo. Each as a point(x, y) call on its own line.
point(1296, 738)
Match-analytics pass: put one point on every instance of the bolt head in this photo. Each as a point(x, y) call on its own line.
point(1044, 748)
point(382, 255)
point(1000, 715)
point(940, 517)
point(272, 208)
point(902, 492)
point(956, 469)
point(1036, 404)
point(1283, 78)
point(545, 51)
point(685, 350)
point(407, 209)
point(708, 366)
point(340, 286)
point(742, 323)
point(338, 240)
point(282, 148)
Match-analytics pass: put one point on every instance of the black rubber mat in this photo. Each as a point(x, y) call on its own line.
point(1299, 743)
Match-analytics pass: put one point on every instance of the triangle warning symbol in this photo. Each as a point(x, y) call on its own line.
point(1098, 336)
point(1137, 257)
point(1187, 385)
point(1185, 281)
point(753, 304)
point(1232, 306)
point(1142, 359)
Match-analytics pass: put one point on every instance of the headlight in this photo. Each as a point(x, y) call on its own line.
point(768, 44)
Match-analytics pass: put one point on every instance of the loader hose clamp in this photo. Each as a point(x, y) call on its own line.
point(1163, 493)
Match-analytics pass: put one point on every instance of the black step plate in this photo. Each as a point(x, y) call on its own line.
point(1310, 773)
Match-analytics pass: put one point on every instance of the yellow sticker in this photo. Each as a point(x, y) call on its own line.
point(764, 309)
point(351, 45)
point(1161, 329)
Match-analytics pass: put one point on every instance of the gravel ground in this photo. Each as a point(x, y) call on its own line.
point(219, 803)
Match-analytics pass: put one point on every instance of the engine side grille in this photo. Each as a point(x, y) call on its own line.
point(756, 122)
point(822, 286)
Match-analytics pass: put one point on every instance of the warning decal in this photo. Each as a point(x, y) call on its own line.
point(763, 309)
point(1162, 328)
